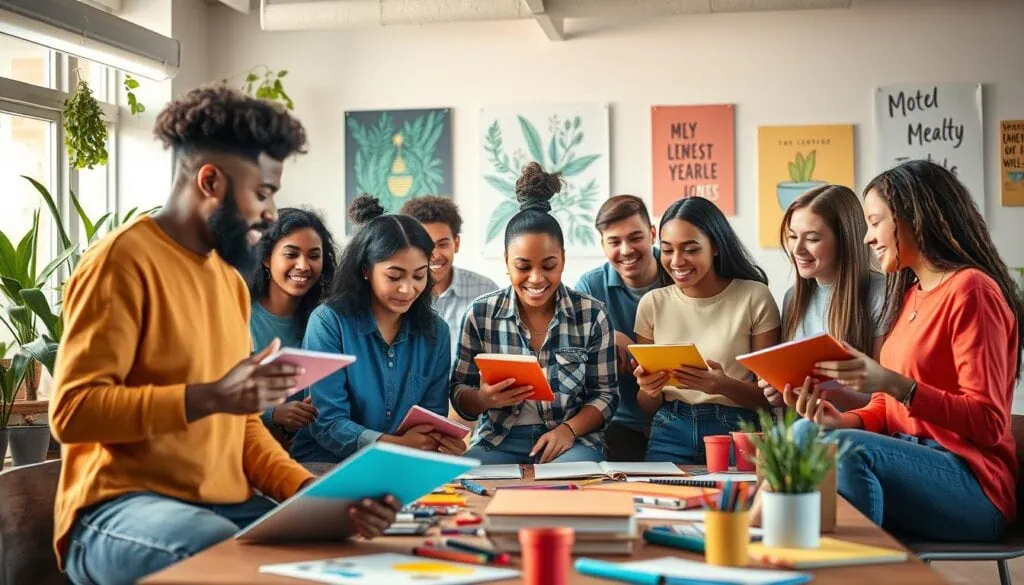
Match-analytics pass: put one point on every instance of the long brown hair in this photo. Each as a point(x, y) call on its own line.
point(948, 230)
point(849, 305)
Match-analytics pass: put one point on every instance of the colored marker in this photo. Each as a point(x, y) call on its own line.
point(463, 532)
point(474, 487)
point(494, 556)
point(450, 555)
point(468, 521)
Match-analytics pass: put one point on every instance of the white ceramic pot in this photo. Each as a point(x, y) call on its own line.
point(791, 520)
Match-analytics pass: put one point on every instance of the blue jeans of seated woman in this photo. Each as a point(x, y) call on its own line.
point(516, 446)
point(913, 488)
point(678, 430)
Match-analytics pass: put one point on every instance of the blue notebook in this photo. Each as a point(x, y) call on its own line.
point(320, 511)
point(676, 571)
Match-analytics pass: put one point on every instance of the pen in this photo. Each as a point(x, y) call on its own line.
point(450, 555)
point(474, 487)
point(494, 556)
point(462, 532)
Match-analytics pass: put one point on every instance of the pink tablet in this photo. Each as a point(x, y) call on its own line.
point(318, 364)
point(418, 415)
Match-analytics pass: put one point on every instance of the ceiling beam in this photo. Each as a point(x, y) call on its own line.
point(553, 26)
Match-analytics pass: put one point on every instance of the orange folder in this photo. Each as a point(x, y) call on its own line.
point(525, 369)
point(791, 362)
point(667, 357)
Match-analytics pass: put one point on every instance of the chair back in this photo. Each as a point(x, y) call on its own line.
point(26, 525)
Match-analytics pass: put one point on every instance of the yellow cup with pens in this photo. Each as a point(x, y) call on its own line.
point(727, 527)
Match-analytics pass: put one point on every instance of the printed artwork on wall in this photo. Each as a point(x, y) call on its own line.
point(794, 159)
point(937, 122)
point(397, 154)
point(567, 138)
point(693, 154)
point(1011, 156)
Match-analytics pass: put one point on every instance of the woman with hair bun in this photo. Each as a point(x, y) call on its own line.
point(538, 315)
point(378, 310)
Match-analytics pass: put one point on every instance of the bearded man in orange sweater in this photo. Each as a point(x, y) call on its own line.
point(158, 399)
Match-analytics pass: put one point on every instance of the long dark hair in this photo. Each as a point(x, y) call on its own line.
point(534, 190)
point(948, 230)
point(849, 306)
point(291, 220)
point(380, 237)
point(733, 259)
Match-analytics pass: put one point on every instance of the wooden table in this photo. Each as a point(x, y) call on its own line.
point(232, 563)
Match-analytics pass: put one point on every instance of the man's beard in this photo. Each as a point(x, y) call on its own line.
point(230, 233)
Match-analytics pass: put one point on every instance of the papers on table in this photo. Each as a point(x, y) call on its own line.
point(494, 472)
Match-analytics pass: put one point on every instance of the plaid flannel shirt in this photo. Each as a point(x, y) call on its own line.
point(578, 356)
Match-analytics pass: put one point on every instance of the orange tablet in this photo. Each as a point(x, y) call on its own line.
point(496, 367)
point(791, 362)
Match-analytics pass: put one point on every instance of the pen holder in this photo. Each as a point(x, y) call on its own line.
point(726, 536)
point(716, 449)
point(546, 555)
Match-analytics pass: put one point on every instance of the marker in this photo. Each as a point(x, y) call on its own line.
point(450, 555)
point(468, 521)
point(463, 532)
point(474, 487)
point(498, 558)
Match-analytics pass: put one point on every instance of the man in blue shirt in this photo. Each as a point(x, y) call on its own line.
point(633, 268)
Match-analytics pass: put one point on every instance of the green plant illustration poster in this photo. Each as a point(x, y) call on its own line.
point(568, 138)
point(397, 154)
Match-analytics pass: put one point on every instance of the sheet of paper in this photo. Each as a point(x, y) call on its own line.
point(643, 468)
point(390, 568)
point(494, 472)
point(567, 470)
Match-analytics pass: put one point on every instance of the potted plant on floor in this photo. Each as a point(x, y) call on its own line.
point(793, 469)
point(11, 375)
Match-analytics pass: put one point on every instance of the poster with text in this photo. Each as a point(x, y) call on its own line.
point(791, 160)
point(571, 139)
point(693, 154)
point(396, 155)
point(936, 122)
point(1011, 151)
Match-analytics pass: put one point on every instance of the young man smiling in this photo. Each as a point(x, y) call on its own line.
point(633, 268)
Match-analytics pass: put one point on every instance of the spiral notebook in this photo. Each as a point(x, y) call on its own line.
point(706, 480)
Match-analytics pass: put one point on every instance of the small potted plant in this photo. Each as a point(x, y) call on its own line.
point(792, 469)
point(801, 169)
point(10, 379)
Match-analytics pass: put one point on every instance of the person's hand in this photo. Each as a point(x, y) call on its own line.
point(293, 415)
point(622, 358)
point(711, 380)
point(419, 437)
point(448, 445)
point(247, 388)
point(771, 393)
point(810, 404)
point(650, 384)
point(372, 518)
point(503, 394)
point(553, 443)
point(862, 374)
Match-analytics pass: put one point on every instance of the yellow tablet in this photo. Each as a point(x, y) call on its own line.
point(667, 357)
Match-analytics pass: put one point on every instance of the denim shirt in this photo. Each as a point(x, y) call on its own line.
point(370, 398)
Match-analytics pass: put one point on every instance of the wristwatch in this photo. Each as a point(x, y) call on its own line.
point(910, 395)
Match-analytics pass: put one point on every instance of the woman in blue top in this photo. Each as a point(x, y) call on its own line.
point(297, 261)
point(537, 315)
point(379, 310)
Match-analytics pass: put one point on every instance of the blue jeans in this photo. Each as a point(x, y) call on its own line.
point(515, 448)
point(913, 488)
point(122, 540)
point(678, 430)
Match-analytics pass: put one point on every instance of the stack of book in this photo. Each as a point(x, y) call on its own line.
point(603, 522)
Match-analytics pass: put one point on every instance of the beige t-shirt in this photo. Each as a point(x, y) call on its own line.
point(721, 326)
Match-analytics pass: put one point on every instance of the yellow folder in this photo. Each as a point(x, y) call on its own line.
point(667, 357)
point(831, 552)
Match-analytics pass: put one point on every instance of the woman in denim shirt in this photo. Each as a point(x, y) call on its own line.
point(379, 311)
point(538, 315)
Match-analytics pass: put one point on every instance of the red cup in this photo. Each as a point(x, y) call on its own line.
point(745, 450)
point(717, 448)
point(547, 555)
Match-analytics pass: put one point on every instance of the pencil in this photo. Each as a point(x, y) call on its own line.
point(450, 555)
point(708, 502)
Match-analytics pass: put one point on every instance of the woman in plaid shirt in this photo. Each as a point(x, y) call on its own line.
point(537, 315)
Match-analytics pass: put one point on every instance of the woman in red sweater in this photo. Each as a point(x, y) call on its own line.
point(936, 458)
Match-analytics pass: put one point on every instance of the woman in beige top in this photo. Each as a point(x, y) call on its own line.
point(720, 301)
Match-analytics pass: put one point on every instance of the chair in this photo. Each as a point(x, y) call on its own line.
point(26, 525)
point(1011, 547)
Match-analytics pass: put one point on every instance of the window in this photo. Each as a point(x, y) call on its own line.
point(25, 62)
point(26, 148)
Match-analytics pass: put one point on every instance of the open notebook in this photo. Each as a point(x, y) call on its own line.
point(611, 470)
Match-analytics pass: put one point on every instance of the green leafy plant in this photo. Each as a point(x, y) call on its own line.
point(130, 84)
point(802, 169)
point(11, 376)
point(574, 206)
point(790, 465)
point(265, 83)
point(85, 133)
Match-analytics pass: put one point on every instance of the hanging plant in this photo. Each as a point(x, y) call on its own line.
point(265, 83)
point(85, 133)
point(134, 104)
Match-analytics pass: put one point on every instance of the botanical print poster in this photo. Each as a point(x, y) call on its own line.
point(1011, 156)
point(568, 138)
point(395, 155)
point(936, 122)
point(693, 153)
point(793, 159)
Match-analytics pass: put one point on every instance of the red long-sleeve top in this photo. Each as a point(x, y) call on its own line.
point(962, 351)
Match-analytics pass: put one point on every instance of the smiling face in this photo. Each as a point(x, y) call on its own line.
point(446, 246)
point(628, 246)
point(890, 241)
point(811, 244)
point(535, 263)
point(398, 281)
point(296, 262)
point(687, 254)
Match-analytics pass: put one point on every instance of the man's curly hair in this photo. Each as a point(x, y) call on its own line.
point(434, 209)
point(222, 119)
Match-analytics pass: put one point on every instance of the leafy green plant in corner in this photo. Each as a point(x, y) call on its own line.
point(10, 379)
point(85, 133)
point(802, 168)
point(793, 465)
